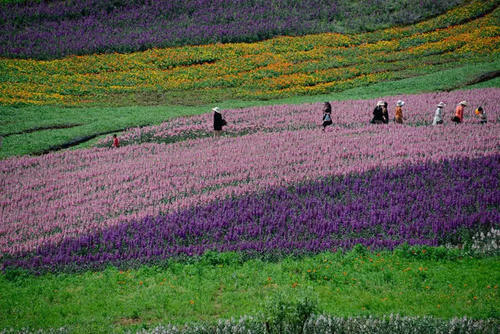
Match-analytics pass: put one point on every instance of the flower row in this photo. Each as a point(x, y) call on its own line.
point(283, 66)
point(52, 197)
point(425, 204)
point(60, 28)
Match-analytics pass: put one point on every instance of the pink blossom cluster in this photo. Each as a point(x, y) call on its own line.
point(48, 198)
point(418, 110)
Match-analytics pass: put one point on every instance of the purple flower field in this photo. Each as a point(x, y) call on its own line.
point(425, 204)
point(52, 29)
point(54, 197)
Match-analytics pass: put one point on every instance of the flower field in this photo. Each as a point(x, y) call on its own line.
point(419, 111)
point(61, 204)
point(60, 28)
point(275, 68)
point(276, 224)
point(427, 204)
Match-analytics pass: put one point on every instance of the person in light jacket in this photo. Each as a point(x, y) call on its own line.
point(438, 115)
point(219, 122)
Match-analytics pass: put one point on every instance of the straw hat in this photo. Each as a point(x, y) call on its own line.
point(464, 103)
point(216, 109)
point(441, 105)
point(380, 103)
point(400, 103)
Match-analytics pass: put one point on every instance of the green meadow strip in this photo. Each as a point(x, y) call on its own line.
point(419, 281)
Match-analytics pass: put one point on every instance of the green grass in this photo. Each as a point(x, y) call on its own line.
point(223, 286)
point(95, 120)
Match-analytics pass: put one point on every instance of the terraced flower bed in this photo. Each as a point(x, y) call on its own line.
point(275, 68)
point(39, 29)
point(73, 194)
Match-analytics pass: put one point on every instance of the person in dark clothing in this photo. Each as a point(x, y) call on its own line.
point(378, 114)
point(219, 122)
point(385, 113)
point(327, 115)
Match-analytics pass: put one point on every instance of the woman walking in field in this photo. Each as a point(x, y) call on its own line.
point(219, 122)
point(378, 113)
point(459, 112)
point(398, 118)
point(327, 115)
point(385, 113)
point(439, 114)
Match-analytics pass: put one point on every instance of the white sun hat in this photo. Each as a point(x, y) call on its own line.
point(441, 105)
point(380, 103)
point(464, 103)
point(400, 103)
point(216, 109)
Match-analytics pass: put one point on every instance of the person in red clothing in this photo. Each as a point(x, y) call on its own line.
point(459, 112)
point(116, 143)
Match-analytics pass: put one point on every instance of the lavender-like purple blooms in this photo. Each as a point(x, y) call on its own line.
point(425, 204)
point(52, 29)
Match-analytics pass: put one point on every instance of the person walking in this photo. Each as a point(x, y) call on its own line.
point(385, 113)
point(219, 122)
point(327, 115)
point(378, 114)
point(439, 114)
point(459, 112)
point(398, 118)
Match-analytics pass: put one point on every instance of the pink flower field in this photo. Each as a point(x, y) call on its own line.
point(52, 197)
point(419, 110)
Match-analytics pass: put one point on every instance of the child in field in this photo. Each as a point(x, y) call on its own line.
point(116, 143)
point(482, 115)
point(327, 115)
point(459, 112)
point(438, 115)
point(398, 118)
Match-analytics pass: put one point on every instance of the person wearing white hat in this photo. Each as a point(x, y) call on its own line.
point(438, 115)
point(378, 113)
point(219, 122)
point(398, 118)
point(459, 112)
